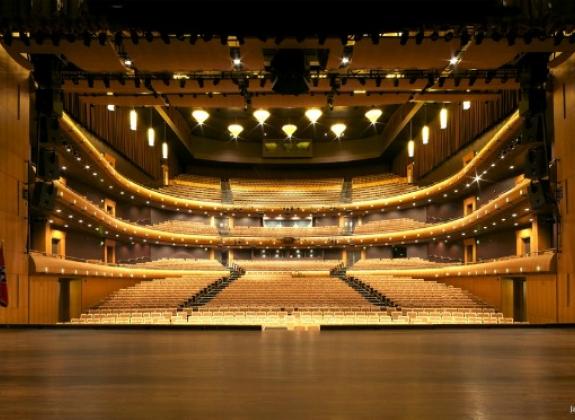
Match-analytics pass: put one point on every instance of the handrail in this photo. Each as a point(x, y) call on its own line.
point(498, 139)
point(73, 200)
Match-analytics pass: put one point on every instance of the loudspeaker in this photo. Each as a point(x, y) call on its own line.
point(49, 130)
point(49, 102)
point(540, 196)
point(289, 69)
point(44, 197)
point(536, 163)
point(532, 130)
point(48, 165)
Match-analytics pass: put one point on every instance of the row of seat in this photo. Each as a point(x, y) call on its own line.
point(285, 231)
point(180, 264)
point(395, 263)
point(389, 225)
point(185, 226)
point(279, 264)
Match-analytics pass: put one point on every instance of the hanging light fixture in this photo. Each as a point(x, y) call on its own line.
point(425, 130)
point(443, 118)
point(235, 130)
point(411, 148)
point(466, 105)
point(289, 129)
point(261, 115)
point(373, 115)
point(151, 132)
point(338, 129)
point(313, 115)
point(133, 120)
point(164, 150)
point(151, 137)
point(200, 116)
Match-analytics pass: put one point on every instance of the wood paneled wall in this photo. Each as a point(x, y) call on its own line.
point(45, 295)
point(114, 128)
point(14, 154)
point(564, 150)
point(462, 128)
point(540, 296)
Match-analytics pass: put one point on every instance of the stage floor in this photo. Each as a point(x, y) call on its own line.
point(165, 374)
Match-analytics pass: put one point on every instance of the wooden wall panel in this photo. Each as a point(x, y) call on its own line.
point(44, 299)
point(463, 127)
point(113, 127)
point(540, 296)
point(14, 154)
point(94, 289)
point(563, 130)
point(541, 299)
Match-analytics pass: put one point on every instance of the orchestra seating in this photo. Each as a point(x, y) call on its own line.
point(180, 264)
point(184, 226)
point(194, 187)
point(276, 264)
point(373, 187)
point(430, 302)
point(285, 231)
point(389, 225)
point(396, 264)
point(286, 191)
point(149, 302)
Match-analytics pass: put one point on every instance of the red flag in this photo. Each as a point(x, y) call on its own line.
point(3, 282)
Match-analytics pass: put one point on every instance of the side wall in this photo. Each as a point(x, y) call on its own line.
point(14, 153)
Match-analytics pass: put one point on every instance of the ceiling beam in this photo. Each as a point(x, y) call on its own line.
point(398, 121)
point(177, 124)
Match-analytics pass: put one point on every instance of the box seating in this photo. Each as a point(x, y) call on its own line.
point(389, 225)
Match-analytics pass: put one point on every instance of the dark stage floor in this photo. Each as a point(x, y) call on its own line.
point(412, 374)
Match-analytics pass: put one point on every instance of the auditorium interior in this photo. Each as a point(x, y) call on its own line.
point(251, 209)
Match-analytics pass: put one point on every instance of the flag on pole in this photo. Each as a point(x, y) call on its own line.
point(3, 282)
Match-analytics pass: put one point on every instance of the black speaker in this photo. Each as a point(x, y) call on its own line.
point(49, 130)
point(289, 70)
point(44, 197)
point(49, 102)
point(533, 129)
point(540, 196)
point(48, 165)
point(536, 163)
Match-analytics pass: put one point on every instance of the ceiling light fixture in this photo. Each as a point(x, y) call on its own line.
point(261, 115)
point(425, 134)
point(235, 130)
point(373, 115)
point(289, 130)
point(466, 105)
point(151, 137)
point(111, 107)
point(200, 116)
point(313, 114)
point(411, 148)
point(164, 150)
point(338, 129)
